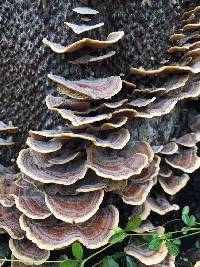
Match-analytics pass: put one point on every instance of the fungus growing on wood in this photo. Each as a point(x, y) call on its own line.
point(9, 221)
point(69, 171)
point(169, 149)
point(149, 172)
point(7, 128)
point(173, 184)
point(27, 252)
point(85, 11)
point(75, 209)
point(79, 29)
point(186, 160)
point(143, 254)
point(31, 202)
point(90, 59)
point(162, 70)
point(112, 38)
point(103, 88)
point(53, 234)
point(115, 166)
point(188, 140)
point(160, 205)
point(65, 174)
point(136, 193)
point(44, 146)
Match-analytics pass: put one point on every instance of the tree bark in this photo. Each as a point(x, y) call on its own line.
point(25, 61)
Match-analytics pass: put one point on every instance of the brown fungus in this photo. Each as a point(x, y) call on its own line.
point(112, 38)
point(103, 88)
point(114, 165)
point(75, 209)
point(27, 252)
point(53, 234)
point(65, 174)
point(143, 254)
point(136, 193)
point(173, 184)
point(90, 59)
point(186, 160)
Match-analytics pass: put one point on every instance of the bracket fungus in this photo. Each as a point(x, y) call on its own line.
point(112, 38)
point(143, 254)
point(67, 173)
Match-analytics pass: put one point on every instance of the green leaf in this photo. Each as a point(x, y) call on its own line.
point(69, 263)
point(77, 251)
point(130, 262)
point(118, 255)
point(172, 248)
point(177, 242)
point(118, 230)
point(192, 220)
point(184, 230)
point(133, 224)
point(185, 210)
point(148, 237)
point(186, 219)
point(108, 261)
point(155, 243)
point(167, 235)
point(118, 236)
point(197, 244)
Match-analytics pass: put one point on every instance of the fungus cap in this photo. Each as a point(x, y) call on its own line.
point(79, 29)
point(27, 252)
point(112, 38)
point(102, 88)
point(53, 234)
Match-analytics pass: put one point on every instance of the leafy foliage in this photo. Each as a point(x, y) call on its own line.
point(77, 251)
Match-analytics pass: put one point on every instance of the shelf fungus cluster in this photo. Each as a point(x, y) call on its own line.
point(67, 173)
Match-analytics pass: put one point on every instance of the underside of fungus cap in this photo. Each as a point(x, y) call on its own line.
point(162, 70)
point(109, 164)
point(112, 38)
point(7, 128)
point(173, 184)
point(103, 88)
point(27, 252)
point(138, 250)
point(77, 208)
point(186, 160)
point(53, 234)
point(90, 59)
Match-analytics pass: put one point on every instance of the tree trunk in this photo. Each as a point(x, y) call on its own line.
point(25, 61)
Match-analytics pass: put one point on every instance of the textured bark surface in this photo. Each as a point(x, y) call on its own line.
point(25, 61)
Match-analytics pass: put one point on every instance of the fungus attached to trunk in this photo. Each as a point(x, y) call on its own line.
point(112, 38)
